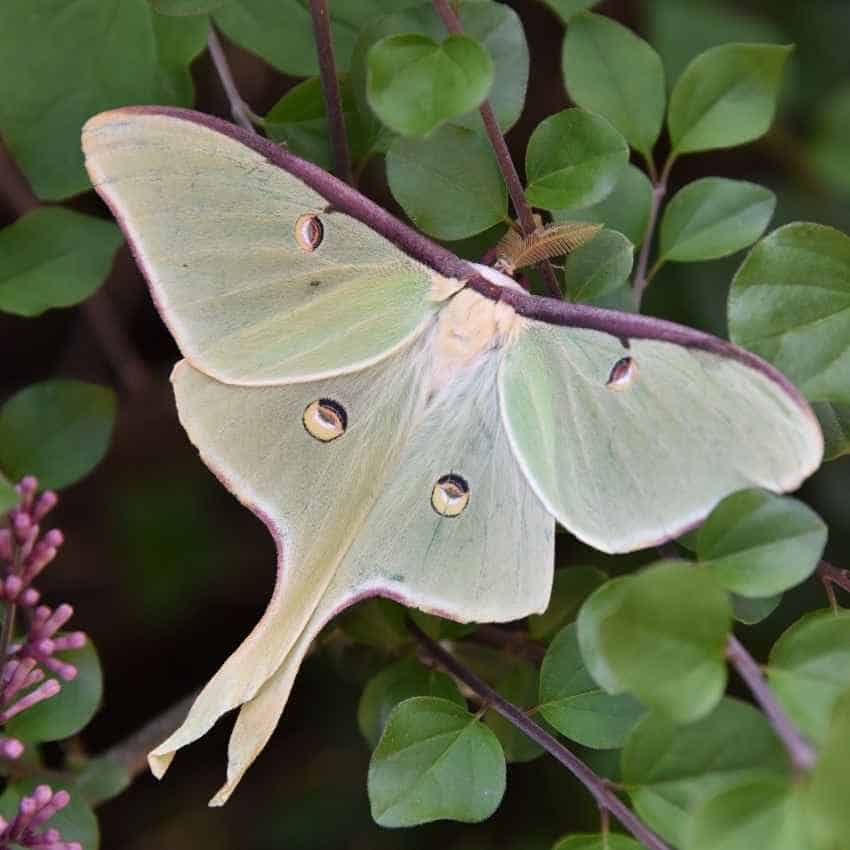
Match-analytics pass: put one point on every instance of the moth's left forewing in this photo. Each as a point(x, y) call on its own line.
point(631, 441)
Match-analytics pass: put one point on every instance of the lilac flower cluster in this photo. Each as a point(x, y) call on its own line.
point(24, 553)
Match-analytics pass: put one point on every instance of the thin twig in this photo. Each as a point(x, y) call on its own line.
point(240, 110)
point(517, 643)
point(119, 351)
point(330, 89)
point(832, 575)
point(605, 798)
point(659, 190)
point(132, 752)
point(503, 157)
point(800, 752)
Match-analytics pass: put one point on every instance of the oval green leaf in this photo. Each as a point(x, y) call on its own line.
point(186, 7)
point(790, 303)
point(450, 185)
point(435, 761)
point(726, 96)
point(56, 430)
point(415, 84)
point(575, 705)
point(601, 604)
point(753, 610)
point(71, 709)
point(574, 158)
point(599, 267)
point(610, 70)
point(809, 668)
point(759, 544)
point(565, 9)
point(625, 210)
point(394, 684)
point(493, 25)
point(570, 587)
point(53, 257)
point(714, 217)
point(670, 770)
point(113, 53)
point(665, 639)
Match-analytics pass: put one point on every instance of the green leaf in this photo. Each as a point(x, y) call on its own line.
point(726, 96)
point(299, 121)
point(574, 158)
point(790, 303)
point(596, 608)
point(565, 9)
point(376, 622)
point(587, 841)
point(281, 31)
point(835, 423)
point(669, 770)
point(752, 611)
point(626, 209)
point(570, 587)
point(415, 84)
point(493, 25)
point(57, 430)
point(599, 267)
point(394, 684)
point(8, 494)
point(101, 779)
point(759, 544)
point(610, 70)
point(53, 257)
point(435, 761)
point(76, 822)
point(71, 709)
point(113, 53)
point(575, 705)
point(827, 798)
point(714, 217)
point(185, 7)
point(762, 813)
point(440, 628)
point(809, 668)
point(450, 185)
point(665, 639)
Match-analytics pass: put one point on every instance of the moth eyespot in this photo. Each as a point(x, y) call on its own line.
point(325, 419)
point(623, 373)
point(450, 495)
point(309, 232)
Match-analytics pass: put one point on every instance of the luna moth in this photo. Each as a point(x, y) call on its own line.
point(407, 423)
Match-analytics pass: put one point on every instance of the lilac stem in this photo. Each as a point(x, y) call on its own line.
point(604, 796)
point(503, 157)
point(659, 190)
point(330, 89)
point(800, 753)
point(240, 111)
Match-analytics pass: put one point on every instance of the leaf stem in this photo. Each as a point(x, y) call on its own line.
point(831, 575)
point(659, 190)
point(503, 158)
point(240, 110)
point(605, 798)
point(800, 752)
point(330, 89)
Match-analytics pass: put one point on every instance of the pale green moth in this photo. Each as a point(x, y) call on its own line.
point(406, 423)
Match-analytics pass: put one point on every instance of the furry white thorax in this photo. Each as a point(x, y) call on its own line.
point(469, 326)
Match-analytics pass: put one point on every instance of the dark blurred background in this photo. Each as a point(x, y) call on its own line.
point(168, 573)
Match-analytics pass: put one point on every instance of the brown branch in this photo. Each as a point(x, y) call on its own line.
point(659, 190)
point(330, 89)
point(503, 157)
point(598, 788)
point(799, 751)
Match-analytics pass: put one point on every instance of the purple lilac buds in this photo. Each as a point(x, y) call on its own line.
point(33, 811)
